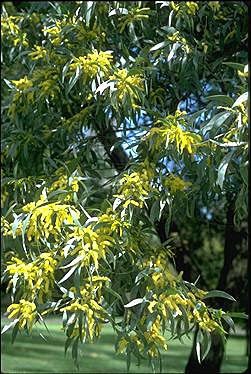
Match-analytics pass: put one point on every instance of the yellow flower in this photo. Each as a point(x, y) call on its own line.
point(38, 276)
point(54, 33)
point(111, 223)
point(154, 337)
point(123, 343)
point(25, 311)
point(11, 31)
point(214, 5)
point(170, 132)
point(38, 53)
point(127, 84)
point(94, 314)
point(23, 83)
point(175, 183)
point(92, 246)
point(192, 7)
point(94, 63)
point(48, 218)
point(134, 188)
point(75, 185)
point(5, 227)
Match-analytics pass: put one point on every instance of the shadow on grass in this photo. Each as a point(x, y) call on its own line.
point(33, 354)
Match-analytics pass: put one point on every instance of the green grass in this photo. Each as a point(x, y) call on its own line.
point(34, 355)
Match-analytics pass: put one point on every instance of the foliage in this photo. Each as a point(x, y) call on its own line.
point(81, 241)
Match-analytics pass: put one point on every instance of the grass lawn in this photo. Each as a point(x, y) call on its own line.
point(34, 355)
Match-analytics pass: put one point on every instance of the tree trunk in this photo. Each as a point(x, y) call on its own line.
point(212, 363)
point(116, 153)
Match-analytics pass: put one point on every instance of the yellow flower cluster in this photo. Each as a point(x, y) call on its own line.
point(127, 84)
point(192, 7)
point(94, 63)
point(196, 309)
point(175, 183)
point(5, 227)
point(152, 336)
point(89, 303)
point(46, 80)
point(155, 338)
point(54, 33)
point(165, 275)
point(65, 183)
point(38, 53)
point(171, 133)
point(189, 7)
point(61, 183)
point(11, 30)
point(201, 315)
point(24, 95)
point(23, 84)
point(177, 38)
point(135, 14)
point(134, 188)
point(214, 5)
point(92, 289)
point(38, 276)
point(25, 311)
point(172, 302)
point(111, 223)
point(48, 218)
point(92, 246)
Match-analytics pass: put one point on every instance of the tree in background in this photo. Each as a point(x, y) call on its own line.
point(124, 129)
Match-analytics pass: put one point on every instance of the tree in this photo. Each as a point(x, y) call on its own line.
point(100, 163)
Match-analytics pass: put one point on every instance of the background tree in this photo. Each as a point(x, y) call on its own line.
point(105, 175)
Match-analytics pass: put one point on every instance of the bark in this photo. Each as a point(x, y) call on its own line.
point(115, 151)
point(212, 362)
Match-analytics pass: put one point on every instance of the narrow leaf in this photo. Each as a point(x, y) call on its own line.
point(7, 327)
point(217, 293)
point(223, 168)
point(67, 275)
point(133, 303)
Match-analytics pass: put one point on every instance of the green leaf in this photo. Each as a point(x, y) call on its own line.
point(67, 344)
point(244, 173)
point(158, 46)
point(221, 99)
point(238, 315)
point(155, 211)
point(14, 333)
point(216, 121)
point(134, 303)
point(7, 327)
point(114, 293)
point(118, 11)
point(67, 275)
point(75, 351)
point(9, 84)
point(235, 65)
point(73, 80)
point(229, 321)
point(206, 344)
point(65, 70)
point(241, 99)
point(74, 217)
point(73, 262)
point(199, 338)
point(223, 168)
point(217, 293)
